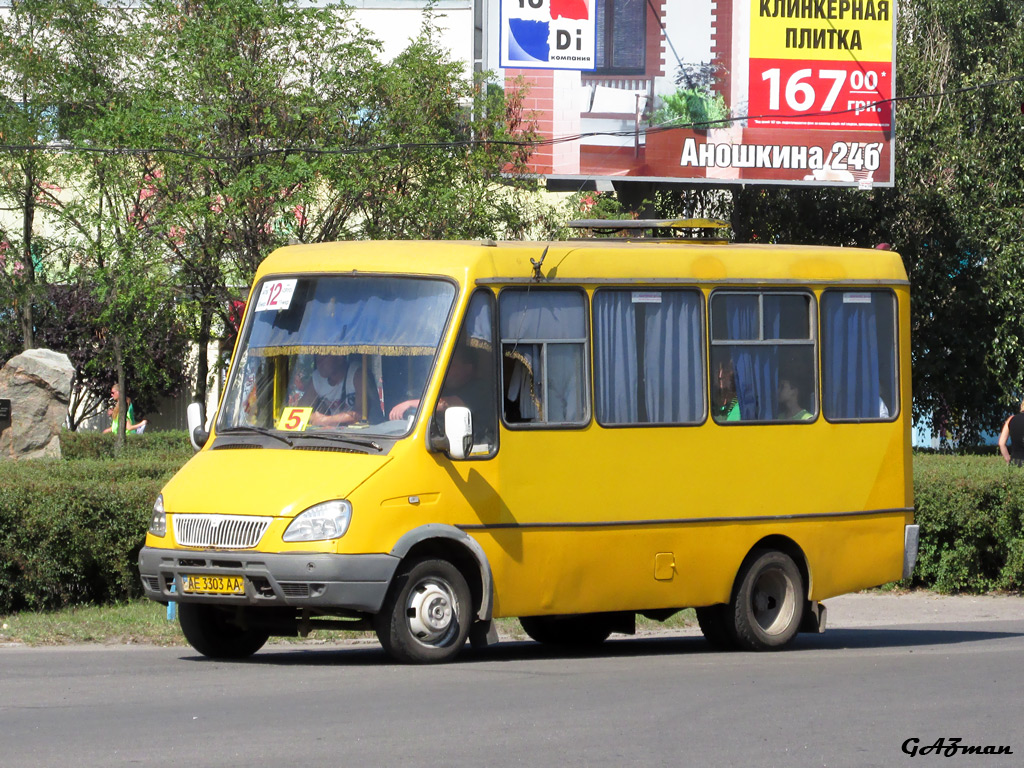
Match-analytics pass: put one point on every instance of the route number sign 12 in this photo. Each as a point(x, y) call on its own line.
point(276, 295)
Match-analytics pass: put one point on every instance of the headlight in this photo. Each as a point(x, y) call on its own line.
point(158, 523)
point(328, 520)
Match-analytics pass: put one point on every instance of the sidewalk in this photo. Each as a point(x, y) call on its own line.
point(874, 609)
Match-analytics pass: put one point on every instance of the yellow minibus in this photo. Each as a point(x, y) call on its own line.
point(420, 437)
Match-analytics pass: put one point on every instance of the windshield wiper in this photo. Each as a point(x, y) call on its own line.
point(344, 439)
point(256, 431)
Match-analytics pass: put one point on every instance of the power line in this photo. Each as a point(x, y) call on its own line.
point(63, 147)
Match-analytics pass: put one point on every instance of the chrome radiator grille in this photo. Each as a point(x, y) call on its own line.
point(219, 531)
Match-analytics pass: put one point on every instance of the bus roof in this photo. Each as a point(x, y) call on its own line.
point(595, 261)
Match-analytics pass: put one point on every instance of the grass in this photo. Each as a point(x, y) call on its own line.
point(143, 622)
point(134, 622)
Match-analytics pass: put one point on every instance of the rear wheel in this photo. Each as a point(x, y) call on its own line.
point(571, 631)
point(768, 605)
point(215, 631)
point(426, 616)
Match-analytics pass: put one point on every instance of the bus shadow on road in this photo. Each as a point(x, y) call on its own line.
point(896, 637)
point(371, 654)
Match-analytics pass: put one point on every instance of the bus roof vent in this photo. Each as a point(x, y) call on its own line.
point(704, 230)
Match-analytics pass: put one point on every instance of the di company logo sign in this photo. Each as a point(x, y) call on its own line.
point(548, 34)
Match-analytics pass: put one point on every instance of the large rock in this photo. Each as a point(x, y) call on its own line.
point(38, 384)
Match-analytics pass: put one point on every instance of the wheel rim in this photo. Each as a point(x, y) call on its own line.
point(432, 612)
point(773, 601)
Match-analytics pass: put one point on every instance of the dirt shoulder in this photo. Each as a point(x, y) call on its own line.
point(874, 609)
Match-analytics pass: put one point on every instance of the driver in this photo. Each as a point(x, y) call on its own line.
point(335, 391)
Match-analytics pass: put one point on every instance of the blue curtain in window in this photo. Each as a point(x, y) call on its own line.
point(479, 325)
point(362, 315)
point(615, 353)
point(757, 369)
point(673, 371)
point(667, 326)
point(532, 323)
point(851, 364)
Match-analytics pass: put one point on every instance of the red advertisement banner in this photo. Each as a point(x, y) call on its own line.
point(821, 95)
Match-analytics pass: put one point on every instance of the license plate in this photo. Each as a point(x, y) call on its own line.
point(213, 585)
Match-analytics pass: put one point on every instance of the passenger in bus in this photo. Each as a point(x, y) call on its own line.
point(790, 408)
point(726, 404)
point(1013, 430)
point(335, 393)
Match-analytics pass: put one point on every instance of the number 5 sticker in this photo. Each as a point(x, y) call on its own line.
point(294, 419)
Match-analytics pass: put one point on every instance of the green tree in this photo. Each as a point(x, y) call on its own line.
point(109, 218)
point(31, 42)
point(243, 87)
point(433, 151)
point(283, 125)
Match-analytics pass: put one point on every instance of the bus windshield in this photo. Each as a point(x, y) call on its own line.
point(333, 353)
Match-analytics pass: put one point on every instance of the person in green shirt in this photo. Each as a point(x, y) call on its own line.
point(130, 424)
point(789, 403)
point(726, 406)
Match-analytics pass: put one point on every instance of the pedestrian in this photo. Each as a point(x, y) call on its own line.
point(130, 424)
point(1013, 430)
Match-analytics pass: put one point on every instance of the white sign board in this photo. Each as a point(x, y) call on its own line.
point(548, 34)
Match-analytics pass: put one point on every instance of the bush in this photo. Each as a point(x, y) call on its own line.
point(164, 446)
point(971, 513)
point(71, 530)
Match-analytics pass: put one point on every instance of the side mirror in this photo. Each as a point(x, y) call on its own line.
point(458, 429)
point(197, 435)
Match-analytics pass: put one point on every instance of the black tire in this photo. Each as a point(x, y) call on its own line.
point(426, 616)
point(210, 630)
point(717, 627)
point(768, 604)
point(582, 631)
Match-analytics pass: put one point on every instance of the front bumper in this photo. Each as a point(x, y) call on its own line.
point(303, 580)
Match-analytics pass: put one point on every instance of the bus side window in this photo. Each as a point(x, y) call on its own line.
point(471, 378)
point(543, 350)
point(648, 357)
point(763, 356)
point(858, 355)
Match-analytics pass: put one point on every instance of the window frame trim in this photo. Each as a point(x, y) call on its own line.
point(495, 361)
point(587, 383)
point(705, 328)
point(813, 341)
point(897, 378)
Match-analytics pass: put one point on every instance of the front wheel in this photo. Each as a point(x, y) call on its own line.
point(769, 603)
point(426, 616)
point(211, 631)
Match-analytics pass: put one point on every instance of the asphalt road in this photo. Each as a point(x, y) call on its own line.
point(850, 697)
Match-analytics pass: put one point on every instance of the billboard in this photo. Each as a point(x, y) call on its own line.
point(795, 92)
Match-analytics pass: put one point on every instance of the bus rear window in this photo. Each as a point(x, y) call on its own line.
point(858, 357)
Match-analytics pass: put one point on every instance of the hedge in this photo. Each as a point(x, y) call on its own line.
point(971, 513)
point(71, 529)
point(170, 446)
